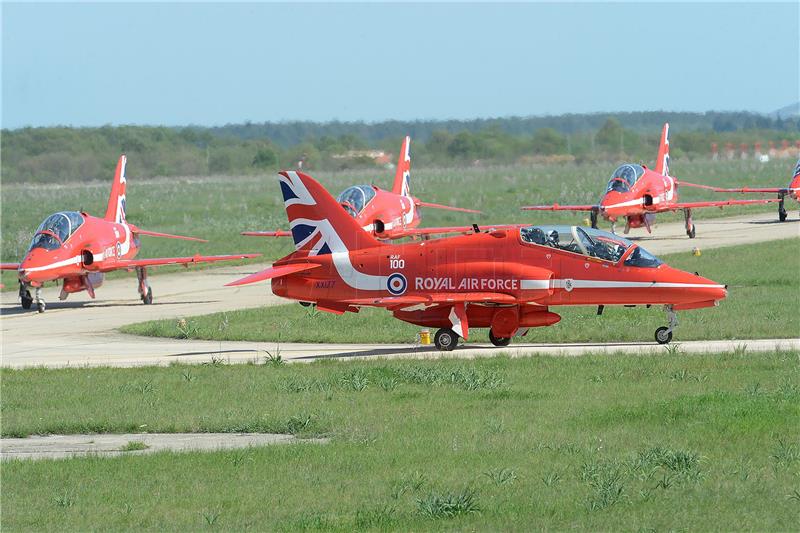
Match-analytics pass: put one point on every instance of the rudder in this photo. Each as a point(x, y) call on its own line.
point(115, 212)
point(402, 176)
point(662, 161)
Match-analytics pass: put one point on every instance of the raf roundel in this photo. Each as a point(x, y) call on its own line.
point(397, 284)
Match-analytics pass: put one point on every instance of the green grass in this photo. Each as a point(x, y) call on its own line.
point(763, 293)
point(134, 446)
point(619, 442)
point(218, 208)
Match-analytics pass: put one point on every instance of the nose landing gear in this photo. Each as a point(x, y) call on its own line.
point(145, 291)
point(25, 296)
point(664, 333)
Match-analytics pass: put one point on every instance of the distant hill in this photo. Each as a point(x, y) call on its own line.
point(791, 110)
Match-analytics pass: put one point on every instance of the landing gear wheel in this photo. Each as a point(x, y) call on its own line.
point(593, 218)
point(40, 306)
point(499, 341)
point(663, 335)
point(445, 339)
point(27, 300)
point(781, 211)
point(305, 304)
point(691, 233)
point(147, 299)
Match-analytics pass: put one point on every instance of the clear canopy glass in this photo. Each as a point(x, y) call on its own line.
point(589, 242)
point(56, 229)
point(354, 199)
point(623, 178)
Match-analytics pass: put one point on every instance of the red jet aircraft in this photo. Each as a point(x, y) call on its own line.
point(637, 193)
point(792, 191)
point(79, 249)
point(387, 215)
point(504, 279)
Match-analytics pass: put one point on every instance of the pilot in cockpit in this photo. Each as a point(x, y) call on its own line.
point(552, 238)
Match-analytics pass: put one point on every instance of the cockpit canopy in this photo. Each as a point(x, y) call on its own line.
point(623, 178)
point(590, 242)
point(354, 199)
point(56, 229)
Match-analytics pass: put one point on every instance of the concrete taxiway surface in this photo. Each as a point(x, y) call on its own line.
point(82, 331)
point(63, 446)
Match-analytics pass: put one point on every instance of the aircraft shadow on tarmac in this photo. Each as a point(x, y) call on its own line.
point(58, 306)
point(419, 349)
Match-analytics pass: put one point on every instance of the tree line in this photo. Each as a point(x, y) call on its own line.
point(61, 154)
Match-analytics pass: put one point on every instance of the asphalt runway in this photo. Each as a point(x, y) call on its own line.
point(81, 331)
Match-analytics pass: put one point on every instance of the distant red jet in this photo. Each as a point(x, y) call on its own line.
point(792, 191)
point(387, 214)
point(79, 249)
point(637, 193)
point(505, 279)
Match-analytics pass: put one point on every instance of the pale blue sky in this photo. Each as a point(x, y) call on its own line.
point(211, 64)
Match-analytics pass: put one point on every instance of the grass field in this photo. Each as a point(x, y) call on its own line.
point(640, 443)
point(762, 303)
point(218, 208)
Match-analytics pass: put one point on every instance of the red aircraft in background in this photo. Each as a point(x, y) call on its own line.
point(637, 193)
point(792, 191)
point(504, 279)
point(79, 249)
point(386, 214)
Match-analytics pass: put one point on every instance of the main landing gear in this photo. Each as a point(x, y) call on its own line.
point(445, 339)
point(664, 333)
point(593, 218)
point(687, 217)
point(499, 341)
point(25, 296)
point(781, 209)
point(145, 291)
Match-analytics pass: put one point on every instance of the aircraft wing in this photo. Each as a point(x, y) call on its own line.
point(465, 230)
point(272, 272)
point(277, 233)
point(140, 231)
point(437, 298)
point(750, 189)
point(160, 261)
point(447, 207)
point(9, 266)
point(557, 207)
point(722, 203)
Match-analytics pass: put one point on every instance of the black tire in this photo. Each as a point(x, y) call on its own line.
point(40, 306)
point(782, 214)
point(663, 335)
point(446, 339)
point(305, 304)
point(147, 299)
point(499, 341)
point(593, 218)
point(26, 300)
point(691, 232)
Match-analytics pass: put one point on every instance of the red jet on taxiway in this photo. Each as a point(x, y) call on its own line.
point(504, 279)
point(79, 249)
point(636, 193)
point(387, 214)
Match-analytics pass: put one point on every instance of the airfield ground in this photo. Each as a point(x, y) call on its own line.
point(699, 436)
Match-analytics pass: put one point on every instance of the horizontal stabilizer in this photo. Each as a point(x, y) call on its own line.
point(557, 207)
point(9, 266)
point(272, 272)
point(277, 233)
